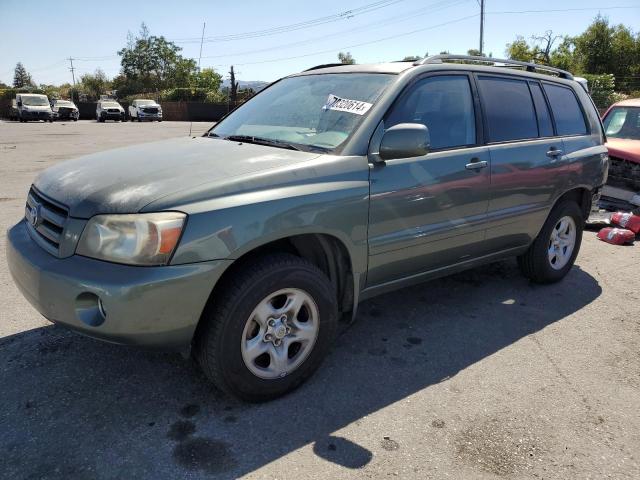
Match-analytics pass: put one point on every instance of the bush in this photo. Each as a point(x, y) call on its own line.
point(602, 88)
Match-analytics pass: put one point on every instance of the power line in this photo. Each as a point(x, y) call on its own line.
point(347, 14)
point(441, 5)
point(359, 44)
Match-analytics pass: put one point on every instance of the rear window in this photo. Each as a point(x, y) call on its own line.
point(508, 109)
point(544, 117)
point(566, 110)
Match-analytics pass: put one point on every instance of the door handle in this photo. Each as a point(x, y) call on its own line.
point(554, 152)
point(476, 164)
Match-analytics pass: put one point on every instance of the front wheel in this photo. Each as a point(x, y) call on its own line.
point(553, 252)
point(268, 328)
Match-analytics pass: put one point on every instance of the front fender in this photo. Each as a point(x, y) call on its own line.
point(231, 226)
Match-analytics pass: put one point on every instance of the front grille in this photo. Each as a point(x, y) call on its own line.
point(113, 110)
point(150, 110)
point(624, 174)
point(46, 220)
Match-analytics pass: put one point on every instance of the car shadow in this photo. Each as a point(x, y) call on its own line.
point(72, 407)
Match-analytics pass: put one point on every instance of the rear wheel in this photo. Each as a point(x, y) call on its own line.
point(553, 252)
point(268, 328)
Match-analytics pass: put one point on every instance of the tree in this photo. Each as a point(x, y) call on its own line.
point(346, 58)
point(150, 63)
point(233, 92)
point(520, 50)
point(474, 52)
point(21, 77)
point(207, 78)
point(95, 84)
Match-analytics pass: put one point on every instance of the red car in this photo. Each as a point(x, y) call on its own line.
point(622, 127)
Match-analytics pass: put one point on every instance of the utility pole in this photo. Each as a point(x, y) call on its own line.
point(481, 27)
point(201, 42)
point(73, 75)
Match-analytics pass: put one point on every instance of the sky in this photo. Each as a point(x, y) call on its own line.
point(266, 40)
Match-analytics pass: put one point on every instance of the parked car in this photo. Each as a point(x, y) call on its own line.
point(109, 110)
point(65, 110)
point(145, 110)
point(32, 106)
point(622, 127)
point(13, 110)
point(328, 187)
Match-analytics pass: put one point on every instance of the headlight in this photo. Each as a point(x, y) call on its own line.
point(140, 239)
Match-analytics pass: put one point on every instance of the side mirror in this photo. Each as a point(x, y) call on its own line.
point(405, 140)
point(19, 104)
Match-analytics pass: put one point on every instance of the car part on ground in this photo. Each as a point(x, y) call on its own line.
point(616, 236)
point(626, 220)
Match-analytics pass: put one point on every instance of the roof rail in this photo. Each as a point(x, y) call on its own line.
point(529, 66)
point(325, 65)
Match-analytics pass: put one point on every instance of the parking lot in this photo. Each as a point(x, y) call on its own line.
point(479, 375)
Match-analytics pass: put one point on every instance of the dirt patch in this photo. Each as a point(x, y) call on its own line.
point(499, 446)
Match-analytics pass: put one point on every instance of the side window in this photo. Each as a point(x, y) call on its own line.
point(566, 111)
point(545, 126)
point(508, 109)
point(445, 105)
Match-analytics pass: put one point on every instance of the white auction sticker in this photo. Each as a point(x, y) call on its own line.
point(345, 105)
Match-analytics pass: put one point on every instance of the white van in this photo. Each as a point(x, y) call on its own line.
point(32, 106)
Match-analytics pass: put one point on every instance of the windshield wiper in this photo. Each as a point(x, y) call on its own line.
point(262, 141)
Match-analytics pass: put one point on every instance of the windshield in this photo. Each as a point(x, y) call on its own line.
point(110, 105)
point(35, 101)
point(64, 103)
point(623, 122)
point(145, 102)
point(311, 110)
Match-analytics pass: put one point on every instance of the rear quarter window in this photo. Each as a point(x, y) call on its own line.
point(508, 108)
point(566, 110)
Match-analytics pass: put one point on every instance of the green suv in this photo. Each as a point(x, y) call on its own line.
point(247, 246)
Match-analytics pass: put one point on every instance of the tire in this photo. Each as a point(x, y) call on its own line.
point(537, 263)
point(223, 339)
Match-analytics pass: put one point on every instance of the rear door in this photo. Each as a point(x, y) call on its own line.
point(526, 158)
point(428, 212)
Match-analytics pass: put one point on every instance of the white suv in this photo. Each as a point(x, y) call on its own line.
point(109, 110)
point(145, 110)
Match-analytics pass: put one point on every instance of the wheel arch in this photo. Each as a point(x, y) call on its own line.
point(327, 252)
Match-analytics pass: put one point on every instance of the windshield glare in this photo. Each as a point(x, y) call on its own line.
point(63, 103)
point(623, 122)
point(110, 105)
point(145, 102)
point(35, 101)
point(312, 110)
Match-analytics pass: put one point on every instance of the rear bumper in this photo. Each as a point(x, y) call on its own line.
point(149, 306)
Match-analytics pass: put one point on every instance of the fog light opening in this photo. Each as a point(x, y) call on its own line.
point(90, 310)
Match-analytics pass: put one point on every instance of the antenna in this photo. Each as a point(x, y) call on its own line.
point(199, 58)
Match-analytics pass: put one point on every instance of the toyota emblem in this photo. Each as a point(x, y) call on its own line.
point(34, 215)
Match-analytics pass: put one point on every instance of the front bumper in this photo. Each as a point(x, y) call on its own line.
point(149, 306)
point(35, 115)
point(149, 116)
point(66, 115)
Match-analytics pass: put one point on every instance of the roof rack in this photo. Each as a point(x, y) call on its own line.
point(529, 66)
point(325, 65)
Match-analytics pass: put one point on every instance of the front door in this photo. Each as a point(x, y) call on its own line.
point(428, 212)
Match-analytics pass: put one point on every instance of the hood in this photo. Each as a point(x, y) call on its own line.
point(625, 148)
point(127, 179)
point(37, 108)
